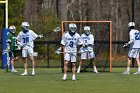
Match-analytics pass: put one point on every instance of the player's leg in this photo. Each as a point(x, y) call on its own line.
point(130, 56)
point(73, 70)
point(128, 66)
point(94, 65)
point(66, 58)
point(73, 60)
point(31, 54)
point(83, 57)
point(24, 56)
point(91, 56)
point(65, 70)
point(80, 64)
point(13, 58)
point(138, 61)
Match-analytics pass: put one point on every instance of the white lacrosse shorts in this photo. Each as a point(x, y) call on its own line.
point(28, 51)
point(88, 55)
point(70, 57)
point(133, 53)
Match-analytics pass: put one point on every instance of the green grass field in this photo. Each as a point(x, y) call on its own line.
point(49, 80)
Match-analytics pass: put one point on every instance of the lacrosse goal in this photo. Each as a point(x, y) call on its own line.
point(102, 31)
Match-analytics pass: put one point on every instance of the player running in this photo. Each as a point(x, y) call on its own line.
point(26, 38)
point(70, 41)
point(88, 42)
point(134, 49)
point(12, 46)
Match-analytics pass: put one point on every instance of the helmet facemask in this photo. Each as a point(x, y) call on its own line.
point(87, 30)
point(72, 29)
point(12, 29)
point(131, 25)
point(25, 26)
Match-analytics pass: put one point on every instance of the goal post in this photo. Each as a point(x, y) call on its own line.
point(6, 12)
point(102, 31)
point(4, 33)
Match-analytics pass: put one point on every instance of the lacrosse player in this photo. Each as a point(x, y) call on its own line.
point(12, 46)
point(134, 49)
point(88, 42)
point(70, 41)
point(26, 38)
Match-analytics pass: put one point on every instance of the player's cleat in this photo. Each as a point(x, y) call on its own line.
point(64, 77)
point(136, 73)
point(24, 74)
point(14, 71)
point(33, 73)
point(95, 71)
point(73, 78)
point(126, 73)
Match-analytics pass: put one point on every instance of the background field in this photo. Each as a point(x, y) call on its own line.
point(48, 80)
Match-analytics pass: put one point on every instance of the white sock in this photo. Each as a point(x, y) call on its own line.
point(65, 74)
point(25, 70)
point(79, 67)
point(139, 69)
point(95, 69)
point(13, 68)
point(73, 76)
point(128, 69)
point(33, 69)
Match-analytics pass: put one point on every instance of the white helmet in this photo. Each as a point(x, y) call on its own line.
point(131, 24)
point(25, 25)
point(87, 30)
point(12, 29)
point(72, 27)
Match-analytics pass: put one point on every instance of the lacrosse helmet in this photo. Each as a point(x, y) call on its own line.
point(25, 26)
point(72, 28)
point(12, 29)
point(87, 30)
point(131, 24)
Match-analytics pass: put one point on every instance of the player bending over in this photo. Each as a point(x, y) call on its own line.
point(12, 46)
point(26, 38)
point(70, 41)
point(88, 42)
point(134, 49)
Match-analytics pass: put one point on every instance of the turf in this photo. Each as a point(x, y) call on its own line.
point(48, 80)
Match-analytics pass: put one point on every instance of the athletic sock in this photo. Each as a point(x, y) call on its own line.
point(128, 69)
point(13, 68)
point(25, 70)
point(79, 67)
point(139, 69)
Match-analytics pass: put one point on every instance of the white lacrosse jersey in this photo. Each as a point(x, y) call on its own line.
point(88, 40)
point(71, 42)
point(135, 36)
point(27, 38)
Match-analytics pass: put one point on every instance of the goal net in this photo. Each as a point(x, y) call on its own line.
point(102, 32)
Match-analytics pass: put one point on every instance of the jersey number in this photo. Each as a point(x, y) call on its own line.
point(71, 43)
point(137, 36)
point(25, 39)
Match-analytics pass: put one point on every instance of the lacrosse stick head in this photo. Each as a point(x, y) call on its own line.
point(35, 54)
point(57, 29)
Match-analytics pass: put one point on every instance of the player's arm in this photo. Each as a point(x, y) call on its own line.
point(131, 41)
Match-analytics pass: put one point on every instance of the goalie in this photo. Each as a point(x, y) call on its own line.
point(88, 42)
point(12, 46)
point(134, 49)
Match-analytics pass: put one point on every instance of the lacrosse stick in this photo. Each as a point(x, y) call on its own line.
point(57, 29)
point(79, 52)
